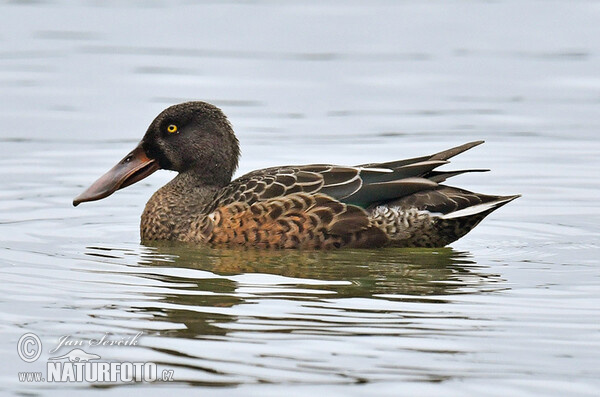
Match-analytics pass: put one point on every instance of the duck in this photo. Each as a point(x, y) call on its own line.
point(402, 203)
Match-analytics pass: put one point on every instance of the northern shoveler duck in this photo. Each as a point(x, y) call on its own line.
point(399, 203)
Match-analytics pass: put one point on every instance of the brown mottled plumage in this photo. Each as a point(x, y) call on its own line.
point(295, 221)
point(399, 203)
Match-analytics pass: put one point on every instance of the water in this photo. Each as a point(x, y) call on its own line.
point(511, 309)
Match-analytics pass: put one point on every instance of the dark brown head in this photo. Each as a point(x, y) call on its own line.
point(193, 137)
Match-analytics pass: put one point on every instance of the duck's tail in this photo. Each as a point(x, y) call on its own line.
point(478, 209)
point(434, 218)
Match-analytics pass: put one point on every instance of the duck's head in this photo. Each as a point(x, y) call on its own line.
point(193, 137)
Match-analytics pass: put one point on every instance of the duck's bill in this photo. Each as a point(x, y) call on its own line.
point(133, 168)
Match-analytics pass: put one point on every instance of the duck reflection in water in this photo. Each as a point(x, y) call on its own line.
point(205, 303)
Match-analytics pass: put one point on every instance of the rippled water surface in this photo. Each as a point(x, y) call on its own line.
point(511, 309)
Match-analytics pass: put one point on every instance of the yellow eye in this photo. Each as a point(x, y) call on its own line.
point(172, 128)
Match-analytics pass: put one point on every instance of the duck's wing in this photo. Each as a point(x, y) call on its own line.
point(363, 185)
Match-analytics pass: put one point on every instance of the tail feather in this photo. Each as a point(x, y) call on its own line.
point(441, 176)
point(418, 167)
point(443, 156)
point(480, 208)
point(413, 170)
point(449, 153)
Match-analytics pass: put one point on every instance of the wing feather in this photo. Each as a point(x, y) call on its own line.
point(364, 185)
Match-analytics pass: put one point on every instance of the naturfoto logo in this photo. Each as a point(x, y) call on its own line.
point(79, 365)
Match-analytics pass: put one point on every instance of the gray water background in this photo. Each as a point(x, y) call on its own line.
point(511, 309)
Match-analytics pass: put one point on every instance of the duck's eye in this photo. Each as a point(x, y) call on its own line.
point(172, 128)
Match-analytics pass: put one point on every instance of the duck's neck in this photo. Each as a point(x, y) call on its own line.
point(172, 208)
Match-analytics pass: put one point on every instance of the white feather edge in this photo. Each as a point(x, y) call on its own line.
point(476, 209)
point(368, 169)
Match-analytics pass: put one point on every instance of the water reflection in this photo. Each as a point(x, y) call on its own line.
point(412, 272)
point(223, 295)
